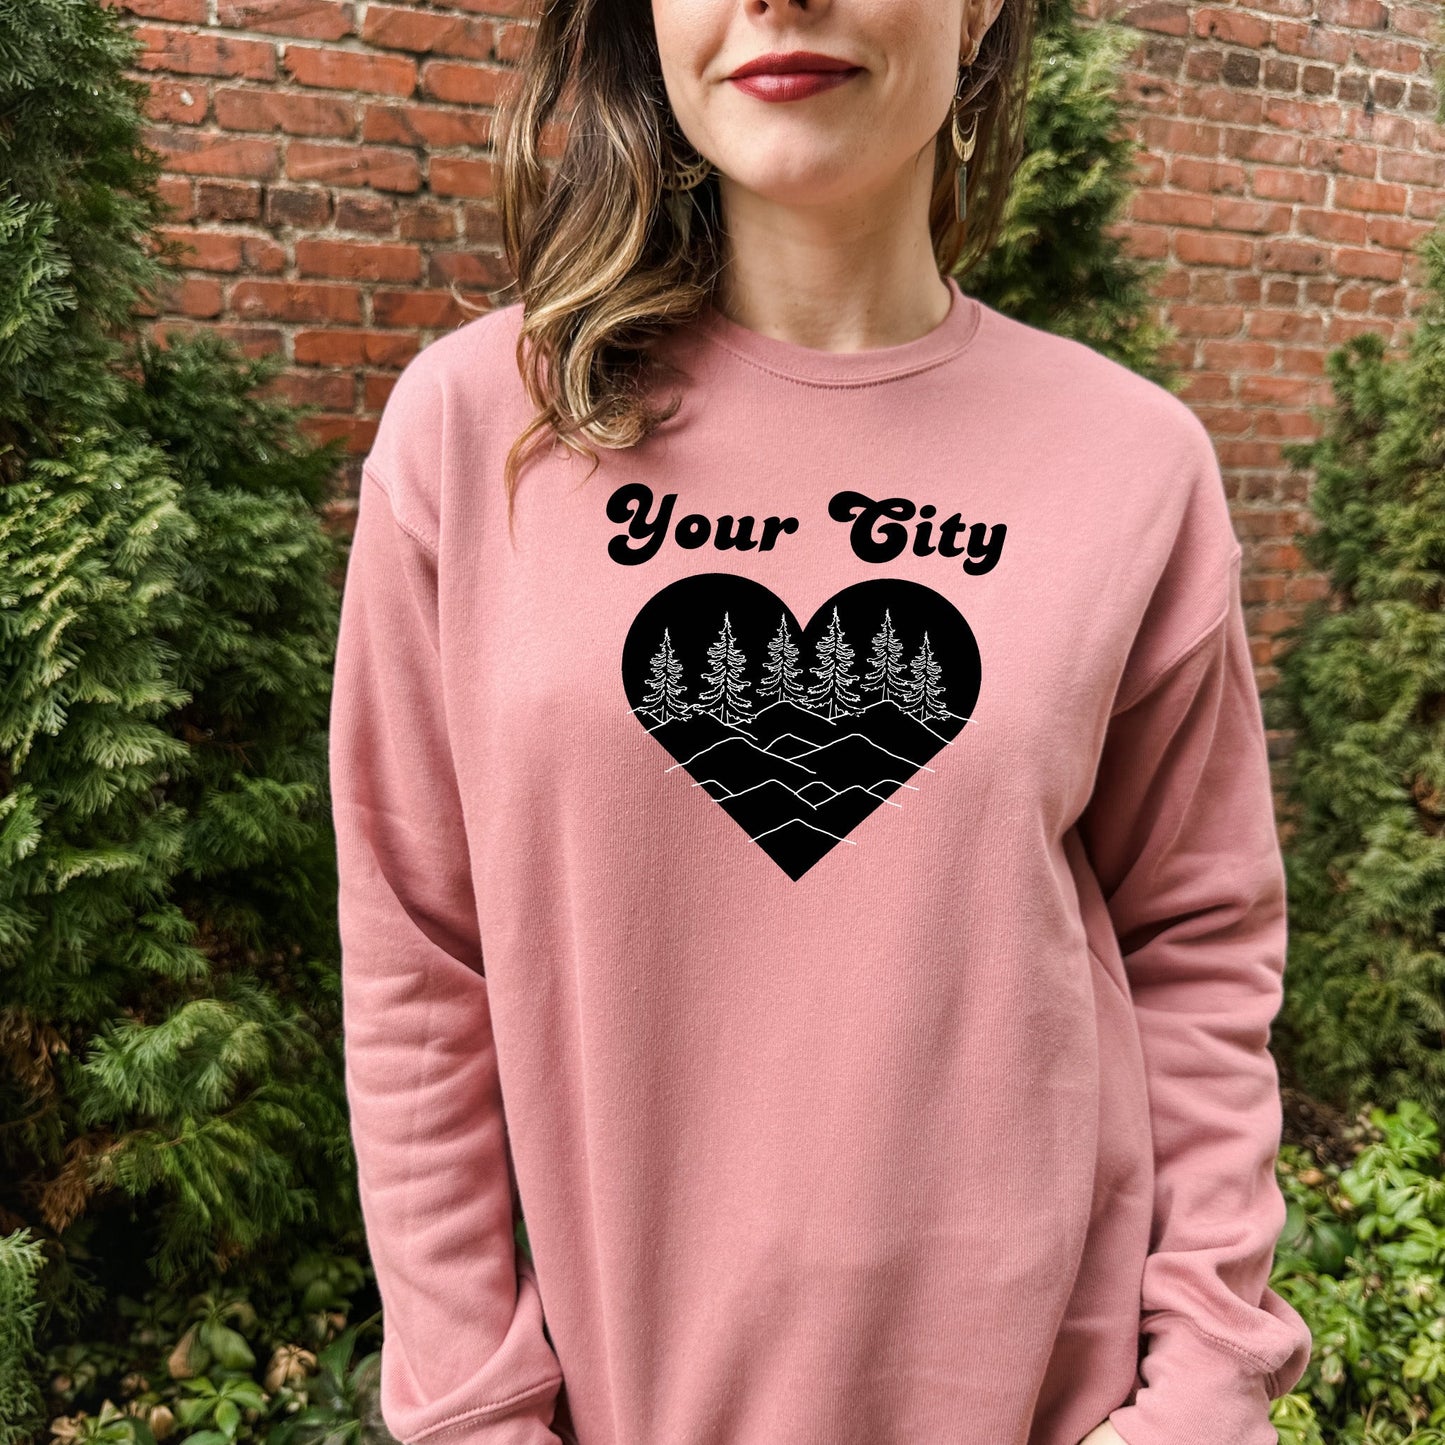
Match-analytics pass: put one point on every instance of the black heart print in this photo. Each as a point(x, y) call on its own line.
point(799, 733)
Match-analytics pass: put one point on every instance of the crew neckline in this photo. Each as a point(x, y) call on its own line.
point(850, 368)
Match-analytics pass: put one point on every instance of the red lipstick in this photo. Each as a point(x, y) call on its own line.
point(792, 74)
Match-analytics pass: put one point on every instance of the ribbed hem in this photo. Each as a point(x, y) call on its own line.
point(1195, 1393)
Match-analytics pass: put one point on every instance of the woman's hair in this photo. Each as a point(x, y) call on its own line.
point(605, 260)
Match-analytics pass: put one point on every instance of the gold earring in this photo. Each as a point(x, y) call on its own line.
point(963, 147)
point(684, 178)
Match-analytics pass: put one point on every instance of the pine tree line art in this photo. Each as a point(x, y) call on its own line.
point(916, 688)
point(799, 731)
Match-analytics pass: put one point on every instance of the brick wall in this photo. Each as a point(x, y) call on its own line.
point(328, 161)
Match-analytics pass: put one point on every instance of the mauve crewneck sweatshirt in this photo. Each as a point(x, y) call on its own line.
point(820, 869)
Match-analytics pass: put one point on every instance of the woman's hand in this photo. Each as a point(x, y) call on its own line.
point(1103, 1434)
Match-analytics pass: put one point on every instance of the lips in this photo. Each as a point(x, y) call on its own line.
point(792, 75)
point(791, 62)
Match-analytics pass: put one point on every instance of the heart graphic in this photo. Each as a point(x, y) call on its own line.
point(799, 733)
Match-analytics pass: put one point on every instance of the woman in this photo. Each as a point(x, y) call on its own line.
point(803, 815)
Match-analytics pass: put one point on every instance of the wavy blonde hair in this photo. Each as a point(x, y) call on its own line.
point(604, 265)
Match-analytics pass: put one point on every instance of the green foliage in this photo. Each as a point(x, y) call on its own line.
point(172, 1103)
point(1362, 1258)
point(1060, 263)
point(1363, 688)
point(21, 1259)
point(78, 210)
point(273, 1362)
point(165, 852)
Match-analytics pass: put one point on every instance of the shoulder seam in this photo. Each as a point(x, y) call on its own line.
point(1182, 654)
point(368, 472)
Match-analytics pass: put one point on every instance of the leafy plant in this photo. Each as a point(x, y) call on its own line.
point(1362, 1257)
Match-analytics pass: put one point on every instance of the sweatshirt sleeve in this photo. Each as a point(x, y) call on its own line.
point(464, 1359)
point(1181, 832)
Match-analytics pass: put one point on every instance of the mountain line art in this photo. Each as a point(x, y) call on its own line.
point(799, 732)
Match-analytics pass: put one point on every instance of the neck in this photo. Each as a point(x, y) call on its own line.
point(852, 273)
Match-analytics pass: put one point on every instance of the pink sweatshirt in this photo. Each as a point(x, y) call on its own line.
point(821, 870)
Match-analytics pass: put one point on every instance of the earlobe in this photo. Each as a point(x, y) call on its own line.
point(966, 44)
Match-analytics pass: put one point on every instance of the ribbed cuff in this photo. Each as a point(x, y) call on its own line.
point(1195, 1393)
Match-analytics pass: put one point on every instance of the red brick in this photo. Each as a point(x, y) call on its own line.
point(1148, 92)
point(208, 154)
point(1412, 168)
point(428, 220)
point(1357, 298)
point(1357, 195)
point(207, 250)
point(455, 176)
point(1158, 15)
point(177, 101)
point(1377, 53)
point(331, 390)
point(1275, 390)
point(1188, 173)
point(1254, 216)
point(1181, 137)
point(197, 296)
point(1206, 320)
point(1422, 21)
point(297, 301)
point(1271, 147)
point(1302, 361)
point(1270, 324)
point(1172, 208)
point(352, 165)
point(1212, 248)
point(1301, 115)
point(253, 341)
point(177, 12)
point(1312, 42)
point(1332, 225)
point(176, 194)
point(481, 226)
point(279, 110)
point(1243, 286)
point(1226, 423)
point(427, 127)
point(263, 255)
point(1285, 255)
point(375, 389)
point(1381, 265)
point(354, 348)
point(1232, 27)
point(471, 270)
point(434, 310)
point(399, 27)
point(1388, 130)
point(464, 84)
point(184, 52)
point(300, 206)
point(1272, 184)
point(302, 19)
point(1229, 107)
point(1280, 74)
point(350, 70)
point(1148, 242)
point(362, 211)
point(1287, 426)
point(355, 262)
point(1400, 235)
point(1310, 588)
point(1427, 203)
